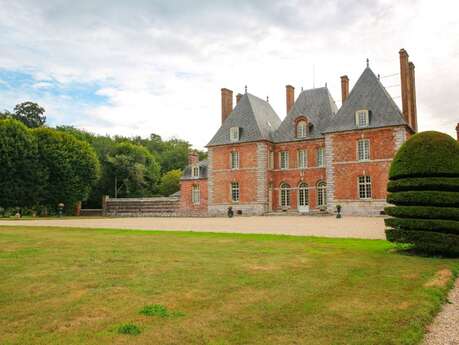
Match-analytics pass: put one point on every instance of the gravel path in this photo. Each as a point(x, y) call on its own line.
point(354, 227)
point(445, 328)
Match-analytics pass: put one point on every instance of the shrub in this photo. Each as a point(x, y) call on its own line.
point(424, 187)
point(159, 310)
point(129, 328)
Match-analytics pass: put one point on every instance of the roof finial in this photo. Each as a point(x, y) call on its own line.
point(326, 84)
point(267, 99)
point(245, 89)
point(368, 62)
point(301, 89)
point(379, 76)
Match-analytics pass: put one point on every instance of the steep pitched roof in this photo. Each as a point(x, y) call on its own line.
point(186, 175)
point(315, 104)
point(368, 93)
point(256, 119)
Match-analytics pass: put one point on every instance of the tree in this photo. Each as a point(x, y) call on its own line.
point(424, 187)
point(170, 182)
point(30, 114)
point(20, 175)
point(133, 170)
point(71, 167)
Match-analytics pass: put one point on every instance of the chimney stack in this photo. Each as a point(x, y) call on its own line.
point(290, 95)
point(344, 88)
point(406, 86)
point(238, 97)
point(457, 131)
point(227, 103)
point(193, 158)
point(414, 112)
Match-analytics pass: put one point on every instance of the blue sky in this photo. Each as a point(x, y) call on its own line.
point(141, 67)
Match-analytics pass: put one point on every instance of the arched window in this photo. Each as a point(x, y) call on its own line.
point(303, 197)
point(195, 194)
point(284, 196)
point(321, 194)
point(301, 129)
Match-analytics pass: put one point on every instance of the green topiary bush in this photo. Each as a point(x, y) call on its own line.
point(424, 187)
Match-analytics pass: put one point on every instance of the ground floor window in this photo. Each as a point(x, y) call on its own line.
point(364, 187)
point(195, 194)
point(303, 194)
point(321, 194)
point(284, 195)
point(235, 191)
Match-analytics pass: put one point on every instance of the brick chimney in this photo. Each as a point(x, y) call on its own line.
point(457, 131)
point(290, 96)
point(193, 158)
point(227, 103)
point(405, 82)
point(344, 88)
point(414, 112)
point(238, 97)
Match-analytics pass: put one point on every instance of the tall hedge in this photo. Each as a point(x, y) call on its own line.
point(424, 187)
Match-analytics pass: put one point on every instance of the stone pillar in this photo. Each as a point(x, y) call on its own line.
point(104, 204)
point(78, 209)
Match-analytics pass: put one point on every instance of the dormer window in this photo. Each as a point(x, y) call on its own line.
point(362, 118)
point(301, 129)
point(195, 171)
point(234, 134)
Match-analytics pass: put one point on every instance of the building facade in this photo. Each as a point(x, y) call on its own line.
point(318, 157)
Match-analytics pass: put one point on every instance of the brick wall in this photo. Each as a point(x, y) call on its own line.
point(186, 205)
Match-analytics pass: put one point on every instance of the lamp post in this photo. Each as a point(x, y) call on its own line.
point(338, 211)
point(60, 207)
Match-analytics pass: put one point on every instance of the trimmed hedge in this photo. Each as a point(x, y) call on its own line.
point(438, 225)
point(428, 242)
point(426, 154)
point(425, 198)
point(426, 212)
point(424, 183)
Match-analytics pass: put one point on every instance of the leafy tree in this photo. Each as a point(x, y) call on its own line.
point(70, 165)
point(424, 187)
point(20, 175)
point(170, 182)
point(30, 114)
point(133, 170)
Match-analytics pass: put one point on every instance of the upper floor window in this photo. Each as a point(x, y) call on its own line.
point(363, 149)
point(364, 187)
point(271, 160)
point(283, 159)
point(234, 134)
point(195, 194)
point(235, 191)
point(195, 171)
point(320, 157)
point(302, 159)
point(234, 160)
point(301, 129)
point(362, 118)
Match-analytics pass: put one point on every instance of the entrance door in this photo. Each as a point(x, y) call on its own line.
point(303, 198)
point(270, 198)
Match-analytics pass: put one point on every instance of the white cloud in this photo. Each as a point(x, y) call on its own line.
point(161, 64)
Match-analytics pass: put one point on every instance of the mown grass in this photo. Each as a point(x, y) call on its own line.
point(86, 286)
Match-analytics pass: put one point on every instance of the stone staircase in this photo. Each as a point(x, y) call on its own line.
point(142, 207)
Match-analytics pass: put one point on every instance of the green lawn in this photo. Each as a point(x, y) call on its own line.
point(79, 286)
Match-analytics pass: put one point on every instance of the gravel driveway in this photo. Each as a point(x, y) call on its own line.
point(354, 227)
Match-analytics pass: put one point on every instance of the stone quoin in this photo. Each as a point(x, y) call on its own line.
point(319, 156)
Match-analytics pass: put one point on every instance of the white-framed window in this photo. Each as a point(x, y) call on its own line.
point(235, 191)
point(365, 187)
point(195, 194)
point(271, 160)
point(361, 118)
point(284, 195)
point(301, 129)
point(234, 134)
point(234, 160)
point(363, 149)
point(283, 160)
point(302, 159)
point(320, 157)
point(195, 171)
point(321, 194)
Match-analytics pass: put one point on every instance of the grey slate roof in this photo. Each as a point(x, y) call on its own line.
point(255, 117)
point(186, 175)
point(315, 104)
point(368, 93)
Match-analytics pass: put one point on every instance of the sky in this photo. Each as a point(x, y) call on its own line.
point(151, 66)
